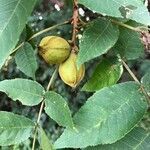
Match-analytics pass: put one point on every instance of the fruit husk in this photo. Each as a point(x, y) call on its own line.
point(54, 49)
point(69, 73)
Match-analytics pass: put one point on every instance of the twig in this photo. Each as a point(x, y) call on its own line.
point(136, 80)
point(19, 46)
point(74, 22)
point(130, 72)
point(136, 29)
point(36, 126)
point(42, 107)
point(143, 28)
point(48, 29)
point(52, 79)
point(82, 22)
point(39, 33)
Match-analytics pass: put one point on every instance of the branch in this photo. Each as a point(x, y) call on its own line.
point(74, 23)
point(136, 80)
point(130, 72)
point(42, 107)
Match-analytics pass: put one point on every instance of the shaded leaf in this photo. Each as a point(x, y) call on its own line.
point(129, 44)
point(106, 74)
point(56, 107)
point(110, 8)
point(45, 142)
point(13, 16)
point(106, 117)
point(26, 60)
point(146, 82)
point(140, 15)
point(26, 91)
point(14, 129)
point(137, 139)
point(131, 9)
point(98, 38)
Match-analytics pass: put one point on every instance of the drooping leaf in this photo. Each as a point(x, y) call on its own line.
point(137, 139)
point(146, 82)
point(107, 73)
point(107, 116)
point(26, 60)
point(45, 142)
point(14, 129)
point(129, 44)
point(56, 107)
point(98, 38)
point(131, 9)
point(13, 16)
point(28, 92)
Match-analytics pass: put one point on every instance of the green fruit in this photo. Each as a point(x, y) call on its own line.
point(54, 49)
point(69, 73)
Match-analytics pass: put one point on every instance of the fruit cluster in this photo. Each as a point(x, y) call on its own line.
point(56, 50)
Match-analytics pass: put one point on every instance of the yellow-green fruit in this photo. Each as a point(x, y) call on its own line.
point(69, 73)
point(54, 49)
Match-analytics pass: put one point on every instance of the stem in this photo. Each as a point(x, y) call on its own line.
point(39, 33)
point(42, 107)
point(126, 26)
point(17, 48)
point(36, 126)
point(82, 22)
point(47, 29)
point(75, 20)
point(52, 79)
point(144, 28)
point(130, 72)
point(136, 80)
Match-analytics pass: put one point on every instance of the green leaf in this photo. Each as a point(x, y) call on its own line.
point(130, 9)
point(56, 107)
point(146, 82)
point(14, 129)
point(98, 38)
point(107, 73)
point(137, 139)
point(140, 15)
point(110, 8)
point(13, 16)
point(106, 117)
point(129, 44)
point(26, 60)
point(26, 91)
point(45, 142)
